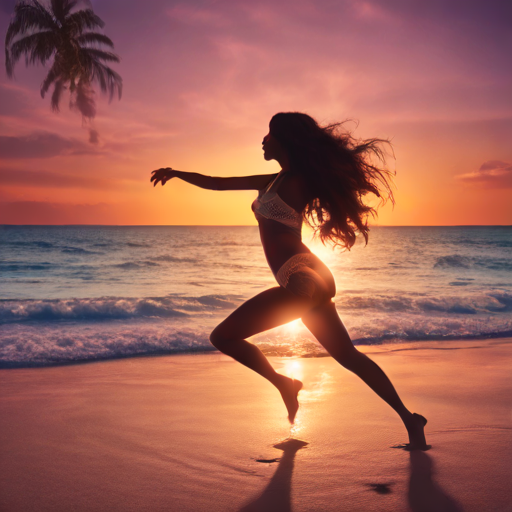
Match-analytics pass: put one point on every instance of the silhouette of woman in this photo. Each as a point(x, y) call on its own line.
point(324, 175)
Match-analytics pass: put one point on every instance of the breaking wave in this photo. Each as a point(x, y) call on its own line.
point(116, 308)
point(64, 331)
point(108, 308)
point(46, 344)
point(29, 346)
point(492, 302)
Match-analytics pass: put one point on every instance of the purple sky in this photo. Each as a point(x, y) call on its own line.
point(202, 79)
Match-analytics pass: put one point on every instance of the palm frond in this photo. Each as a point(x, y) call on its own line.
point(43, 12)
point(96, 54)
point(81, 20)
point(57, 93)
point(109, 80)
point(52, 75)
point(94, 37)
point(70, 5)
point(37, 47)
point(33, 15)
point(28, 16)
point(9, 64)
point(61, 8)
point(83, 99)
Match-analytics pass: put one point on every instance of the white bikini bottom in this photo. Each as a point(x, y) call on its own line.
point(305, 275)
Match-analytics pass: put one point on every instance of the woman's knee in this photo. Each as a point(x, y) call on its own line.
point(216, 338)
point(346, 355)
point(349, 358)
point(219, 338)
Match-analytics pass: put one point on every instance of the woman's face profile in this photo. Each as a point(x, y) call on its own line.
point(272, 149)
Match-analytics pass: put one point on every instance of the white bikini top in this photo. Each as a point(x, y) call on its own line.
point(269, 205)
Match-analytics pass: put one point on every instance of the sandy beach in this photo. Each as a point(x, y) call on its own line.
point(198, 432)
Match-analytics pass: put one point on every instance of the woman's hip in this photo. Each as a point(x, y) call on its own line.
point(305, 274)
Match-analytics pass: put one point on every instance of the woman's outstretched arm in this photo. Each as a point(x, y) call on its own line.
point(256, 182)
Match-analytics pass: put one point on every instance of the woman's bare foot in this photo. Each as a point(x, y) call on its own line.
point(289, 389)
point(415, 428)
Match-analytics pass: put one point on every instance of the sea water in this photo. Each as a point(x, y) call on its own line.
point(83, 293)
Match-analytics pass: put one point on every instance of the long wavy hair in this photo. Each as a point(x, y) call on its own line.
point(339, 171)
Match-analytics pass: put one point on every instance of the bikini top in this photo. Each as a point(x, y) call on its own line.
point(270, 206)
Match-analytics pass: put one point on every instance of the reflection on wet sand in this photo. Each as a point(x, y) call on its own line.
point(277, 495)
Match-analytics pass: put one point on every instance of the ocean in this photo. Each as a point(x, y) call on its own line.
point(85, 293)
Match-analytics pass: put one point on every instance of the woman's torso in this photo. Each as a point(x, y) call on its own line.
point(279, 223)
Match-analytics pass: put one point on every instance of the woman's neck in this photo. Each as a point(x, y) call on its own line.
point(284, 162)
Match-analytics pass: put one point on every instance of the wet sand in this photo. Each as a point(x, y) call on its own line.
point(197, 432)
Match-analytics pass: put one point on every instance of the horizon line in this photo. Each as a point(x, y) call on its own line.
point(253, 225)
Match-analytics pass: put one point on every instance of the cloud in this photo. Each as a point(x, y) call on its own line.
point(41, 145)
point(29, 178)
point(197, 16)
point(492, 174)
point(14, 101)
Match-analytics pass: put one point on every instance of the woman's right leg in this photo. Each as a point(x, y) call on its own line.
point(265, 311)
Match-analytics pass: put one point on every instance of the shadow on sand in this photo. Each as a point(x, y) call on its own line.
point(425, 495)
point(277, 495)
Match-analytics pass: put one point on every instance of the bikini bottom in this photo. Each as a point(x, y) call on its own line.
point(305, 275)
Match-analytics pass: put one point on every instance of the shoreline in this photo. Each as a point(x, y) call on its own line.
point(367, 348)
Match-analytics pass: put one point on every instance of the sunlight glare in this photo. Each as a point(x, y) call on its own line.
point(296, 427)
point(293, 369)
point(293, 327)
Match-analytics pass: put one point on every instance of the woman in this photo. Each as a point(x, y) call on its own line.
point(324, 175)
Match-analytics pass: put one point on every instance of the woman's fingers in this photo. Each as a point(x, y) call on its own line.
point(160, 175)
point(156, 174)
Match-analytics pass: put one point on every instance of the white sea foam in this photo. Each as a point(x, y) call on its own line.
point(109, 308)
point(490, 302)
point(43, 345)
point(48, 343)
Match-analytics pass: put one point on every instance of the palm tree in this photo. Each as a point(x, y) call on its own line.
point(62, 34)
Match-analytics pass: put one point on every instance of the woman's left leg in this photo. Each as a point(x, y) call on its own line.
point(265, 311)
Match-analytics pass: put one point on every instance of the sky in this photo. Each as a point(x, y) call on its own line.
point(202, 78)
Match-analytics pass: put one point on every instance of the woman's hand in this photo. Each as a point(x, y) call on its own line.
point(162, 175)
